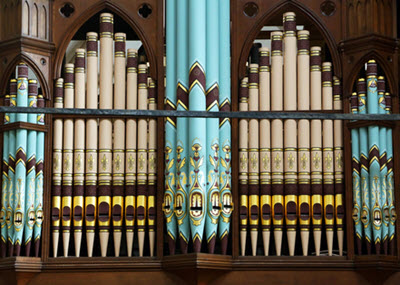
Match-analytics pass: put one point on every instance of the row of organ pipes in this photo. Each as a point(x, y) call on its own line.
point(374, 212)
point(22, 170)
point(104, 170)
point(290, 172)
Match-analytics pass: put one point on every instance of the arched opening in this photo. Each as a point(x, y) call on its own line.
point(103, 64)
point(291, 164)
point(359, 71)
point(34, 73)
point(306, 19)
point(93, 25)
point(89, 22)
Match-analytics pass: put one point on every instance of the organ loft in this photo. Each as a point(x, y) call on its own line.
point(199, 142)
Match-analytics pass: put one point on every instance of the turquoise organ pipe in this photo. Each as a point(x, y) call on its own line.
point(197, 126)
point(356, 168)
point(383, 165)
point(37, 230)
point(182, 143)
point(390, 179)
point(170, 125)
point(363, 137)
point(224, 124)
point(212, 124)
point(4, 192)
point(11, 171)
point(30, 170)
point(20, 157)
point(373, 146)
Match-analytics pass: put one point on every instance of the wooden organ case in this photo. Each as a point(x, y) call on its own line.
point(42, 33)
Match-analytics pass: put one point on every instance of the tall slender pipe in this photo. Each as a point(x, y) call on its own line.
point(20, 160)
point(197, 126)
point(131, 147)
point(182, 125)
point(383, 166)
point(91, 141)
point(37, 231)
point(105, 130)
point(303, 135)
point(363, 136)
point(243, 165)
point(254, 167)
point(265, 149)
point(212, 124)
point(277, 139)
point(68, 165)
point(152, 167)
point(4, 188)
point(390, 179)
point(79, 150)
point(225, 173)
point(30, 169)
point(339, 165)
point(142, 161)
point(374, 146)
point(356, 169)
point(316, 147)
point(290, 127)
point(118, 183)
point(57, 166)
point(170, 149)
point(11, 171)
point(328, 156)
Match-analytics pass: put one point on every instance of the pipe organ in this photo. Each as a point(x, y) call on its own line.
point(194, 141)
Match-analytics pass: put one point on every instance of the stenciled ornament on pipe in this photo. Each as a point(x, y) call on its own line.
point(265, 149)
point(142, 160)
point(37, 230)
point(390, 179)
point(339, 165)
point(152, 167)
point(118, 168)
point(30, 169)
point(328, 156)
point(57, 167)
point(131, 146)
point(212, 124)
point(79, 151)
point(303, 135)
point(172, 182)
point(277, 187)
point(4, 188)
point(316, 146)
point(225, 175)
point(91, 161)
point(363, 138)
point(290, 128)
point(197, 126)
point(105, 130)
point(243, 165)
point(181, 198)
point(68, 162)
point(356, 169)
point(20, 160)
point(383, 166)
point(373, 151)
point(254, 169)
point(11, 171)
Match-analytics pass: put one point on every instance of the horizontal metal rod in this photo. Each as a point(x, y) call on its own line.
point(203, 114)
